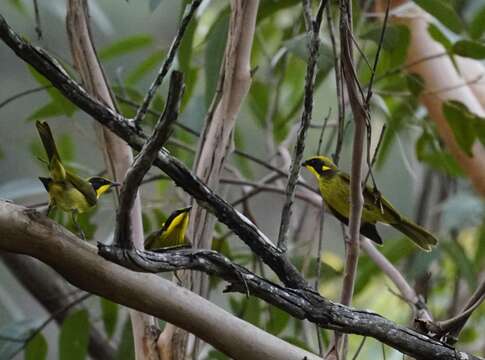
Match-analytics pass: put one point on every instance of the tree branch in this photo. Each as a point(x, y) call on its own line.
point(26, 231)
point(144, 160)
point(313, 30)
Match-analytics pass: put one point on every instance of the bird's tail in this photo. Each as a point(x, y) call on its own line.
point(54, 160)
point(45, 134)
point(416, 233)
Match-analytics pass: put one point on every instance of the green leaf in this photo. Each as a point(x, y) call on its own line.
point(51, 109)
point(58, 99)
point(439, 36)
point(214, 53)
point(299, 47)
point(460, 124)
point(74, 336)
point(185, 61)
point(470, 49)
point(461, 260)
point(17, 4)
point(477, 25)
point(270, 7)
point(126, 348)
point(252, 311)
point(36, 348)
point(415, 84)
point(142, 69)
point(109, 312)
point(444, 12)
point(430, 150)
point(278, 320)
point(125, 46)
point(395, 37)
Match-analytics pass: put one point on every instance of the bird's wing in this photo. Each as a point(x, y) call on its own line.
point(374, 200)
point(83, 186)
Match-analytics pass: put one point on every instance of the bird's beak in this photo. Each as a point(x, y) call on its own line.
point(187, 209)
point(304, 164)
point(115, 184)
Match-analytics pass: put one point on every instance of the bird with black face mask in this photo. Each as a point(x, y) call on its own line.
point(335, 190)
point(173, 232)
point(66, 190)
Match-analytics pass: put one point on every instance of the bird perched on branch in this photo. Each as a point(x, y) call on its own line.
point(66, 190)
point(335, 190)
point(172, 233)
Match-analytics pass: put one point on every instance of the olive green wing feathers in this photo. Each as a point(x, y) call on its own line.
point(83, 186)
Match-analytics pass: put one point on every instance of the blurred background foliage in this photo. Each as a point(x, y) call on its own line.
point(413, 168)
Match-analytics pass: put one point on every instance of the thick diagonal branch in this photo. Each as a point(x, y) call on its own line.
point(26, 231)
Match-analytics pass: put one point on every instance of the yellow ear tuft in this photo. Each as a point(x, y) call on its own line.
point(325, 168)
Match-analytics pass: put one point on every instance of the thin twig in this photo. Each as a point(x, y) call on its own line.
point(38, 27)
point(359, 349)
point(376, 152)
point(306, 116)
point(376, 59)
point(46, 322)
point(24, 93)
point(166, 64)
point(339, 88)
point(324, 126)
point(476, 299)
point(145, 159)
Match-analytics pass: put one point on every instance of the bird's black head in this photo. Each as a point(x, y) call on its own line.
point(101, 184)
point(320, 166)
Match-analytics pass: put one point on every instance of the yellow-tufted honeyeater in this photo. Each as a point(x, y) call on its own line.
point(172, 233)
point(67, 191)
point(335, 190)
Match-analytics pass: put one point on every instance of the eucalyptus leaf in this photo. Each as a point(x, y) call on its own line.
point(74, 336)
point(36, 348)
point(466, 125)
point(109, 312)
point(443, 11)
point(299, 47)
point(125, 46)
point(470, 49)
point(126, 348)
point(439, 36)
point(214, 53)
point(150, 63)
point(477, 25)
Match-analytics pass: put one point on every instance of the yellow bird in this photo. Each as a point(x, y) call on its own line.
point(66, 190)
point(172, 233)
point(335, 190)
